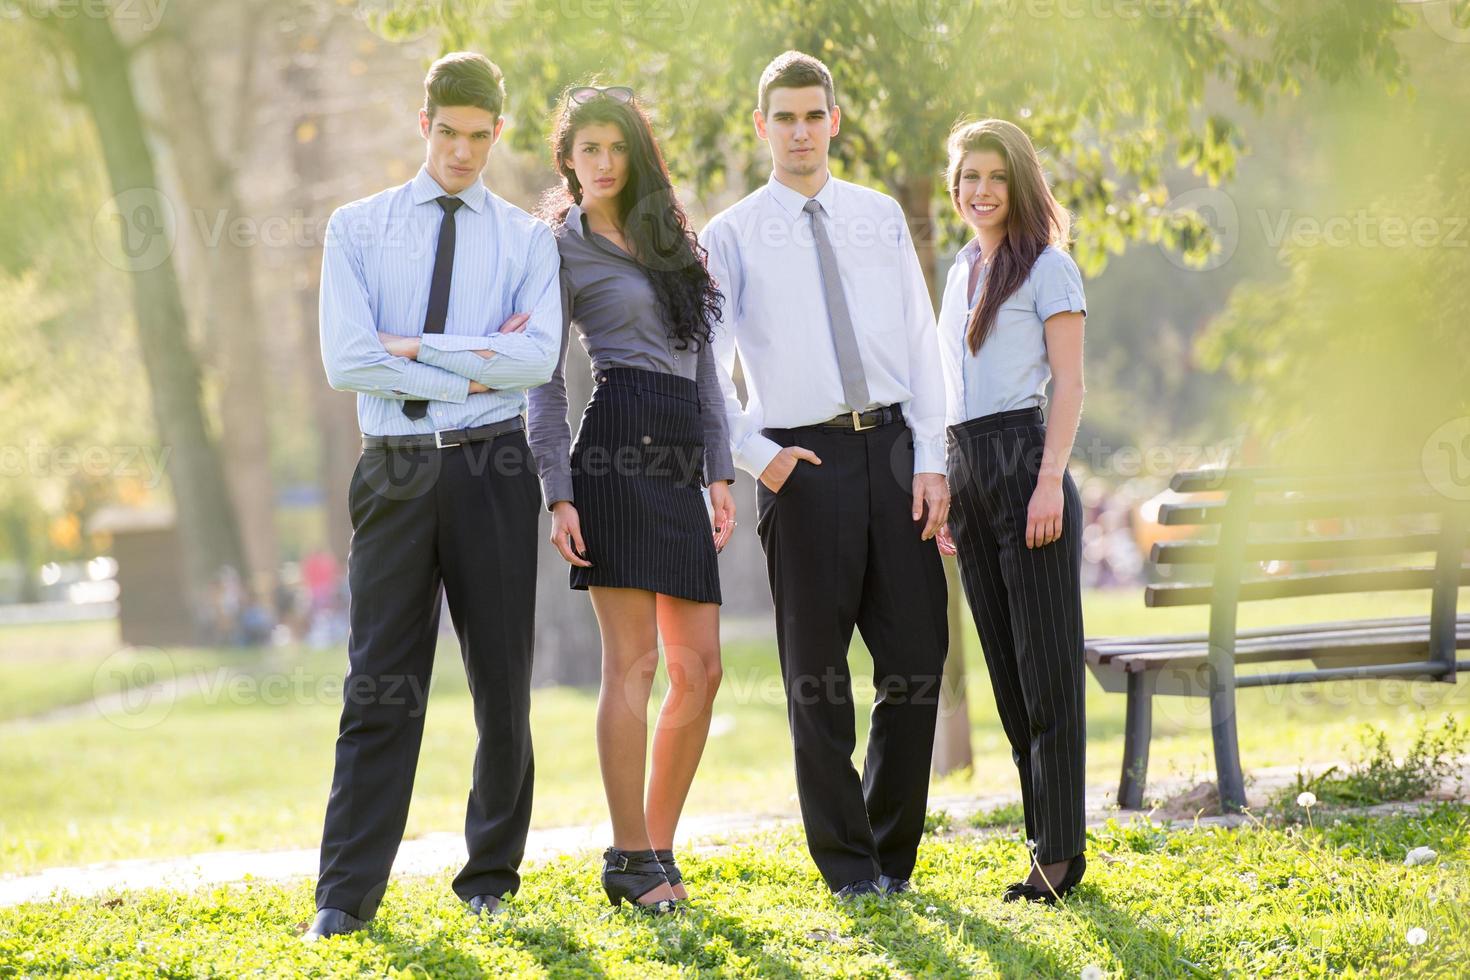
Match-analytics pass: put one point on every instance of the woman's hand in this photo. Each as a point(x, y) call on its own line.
point(1044, 513)
point(566, 533)
point(945, 541)
point(722, 501)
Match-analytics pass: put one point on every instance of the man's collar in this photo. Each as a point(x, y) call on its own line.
point(793, 201)
point(426, 189)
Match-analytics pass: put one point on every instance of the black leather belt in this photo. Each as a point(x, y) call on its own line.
point(871, 419)
point(445, 438)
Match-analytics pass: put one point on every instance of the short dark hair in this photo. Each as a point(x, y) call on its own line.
point(792, 69)
point(464, 78)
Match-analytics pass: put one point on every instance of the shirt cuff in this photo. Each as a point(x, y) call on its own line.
point(462, 363)
point(556, 486)
point(929, 457)
point(429, 383)
point(756, 454)
point(452, 342)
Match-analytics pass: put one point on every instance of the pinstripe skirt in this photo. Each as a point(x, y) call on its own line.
point(637, 473)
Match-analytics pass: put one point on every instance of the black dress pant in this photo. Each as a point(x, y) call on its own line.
point(1027, 604)
point(842, 549)
point(460, 521)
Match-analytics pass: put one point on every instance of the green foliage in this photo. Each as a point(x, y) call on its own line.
point(1109, 93)
point(1379, 777)
point(1255, 901)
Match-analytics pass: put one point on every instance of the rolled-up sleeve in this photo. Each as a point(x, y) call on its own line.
point(352, 354)
point(548, 431)
point(1058, 285)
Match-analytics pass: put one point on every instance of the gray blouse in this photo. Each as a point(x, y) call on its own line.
point(607, 295)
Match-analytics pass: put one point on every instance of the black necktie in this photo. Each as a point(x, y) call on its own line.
point(439, 288)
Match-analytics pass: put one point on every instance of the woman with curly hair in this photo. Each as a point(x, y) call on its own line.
point(628, 513)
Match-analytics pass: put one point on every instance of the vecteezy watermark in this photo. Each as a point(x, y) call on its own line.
point(135, 688)
point(1446, 458)
point(135, 230)
point(41, 459)
point(1218, 212)
point(144, 14)
point(932, 21)
point(1361, 228)
point(399, 20)
point(1450, 19)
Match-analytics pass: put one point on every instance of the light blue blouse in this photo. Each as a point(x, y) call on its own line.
point(1011, 370)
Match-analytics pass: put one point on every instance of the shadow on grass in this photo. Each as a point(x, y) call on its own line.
point(918, 955)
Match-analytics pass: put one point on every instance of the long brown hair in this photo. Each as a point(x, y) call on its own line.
point(1034, 219)
point(653, 220)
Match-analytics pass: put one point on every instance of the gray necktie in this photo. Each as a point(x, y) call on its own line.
point(844, 338)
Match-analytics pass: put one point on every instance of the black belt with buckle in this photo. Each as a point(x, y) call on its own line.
point(871, 419)
point(445, 438)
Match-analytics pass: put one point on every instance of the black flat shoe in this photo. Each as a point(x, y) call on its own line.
point(856, 889)
point(894, 886)
point(332, 922)
point(629, 875)
point(671, 870)
point(1021, 891)
point(485, 905)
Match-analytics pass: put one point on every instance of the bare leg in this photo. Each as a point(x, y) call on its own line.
point(691, 635)
point(629, 628)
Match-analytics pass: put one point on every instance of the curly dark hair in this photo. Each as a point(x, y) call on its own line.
point(652, 219)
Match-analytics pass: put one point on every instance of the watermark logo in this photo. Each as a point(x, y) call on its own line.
point(1446, 458)
point(135, 230)
point(932, 21)
point(135, 688)
point(1218, 212)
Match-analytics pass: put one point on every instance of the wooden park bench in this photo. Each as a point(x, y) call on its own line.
point(1354, 531)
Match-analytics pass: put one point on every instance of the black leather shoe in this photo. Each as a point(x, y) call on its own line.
point(856, 889)
point(1021, 891)
point(332, 922)
point(629, 875)
point(894, 886)
point(484, 904)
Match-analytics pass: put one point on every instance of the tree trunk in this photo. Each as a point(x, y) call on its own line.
point(231, 313)
point(208, 532)
point(339, 441)
point(952, 748)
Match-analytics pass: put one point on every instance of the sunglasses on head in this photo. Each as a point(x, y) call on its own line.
point(587, 93)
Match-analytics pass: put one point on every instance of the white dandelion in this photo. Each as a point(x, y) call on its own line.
point(1420, 855)
point(1307, 799)
point(1416, 936)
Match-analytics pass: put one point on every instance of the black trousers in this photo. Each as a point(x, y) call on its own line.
point(1027, 604)
point(427, 522)
point(842, 549)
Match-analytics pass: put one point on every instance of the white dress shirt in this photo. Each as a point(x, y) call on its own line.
point(764, 258)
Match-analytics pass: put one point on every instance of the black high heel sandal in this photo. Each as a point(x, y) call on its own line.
point(671, 870)
point(629, 875)
point(1021, 891)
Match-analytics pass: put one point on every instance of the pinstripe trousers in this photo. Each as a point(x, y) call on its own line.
point(1027, 605)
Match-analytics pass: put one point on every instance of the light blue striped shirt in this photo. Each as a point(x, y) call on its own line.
point(377, 265)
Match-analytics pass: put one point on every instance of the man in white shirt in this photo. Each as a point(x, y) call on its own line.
point(844, 427)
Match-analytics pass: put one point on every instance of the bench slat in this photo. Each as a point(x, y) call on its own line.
point(1305, 583)
point(1305, 508)
point(1298, 549)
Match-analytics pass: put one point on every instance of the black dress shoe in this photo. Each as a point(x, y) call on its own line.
point(1021, 891)
point(332, 922)
point(484, 904)
point(856, 889)
point(894, 886)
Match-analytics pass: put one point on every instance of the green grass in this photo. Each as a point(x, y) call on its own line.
point(250, 767)
point(1196, 902)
